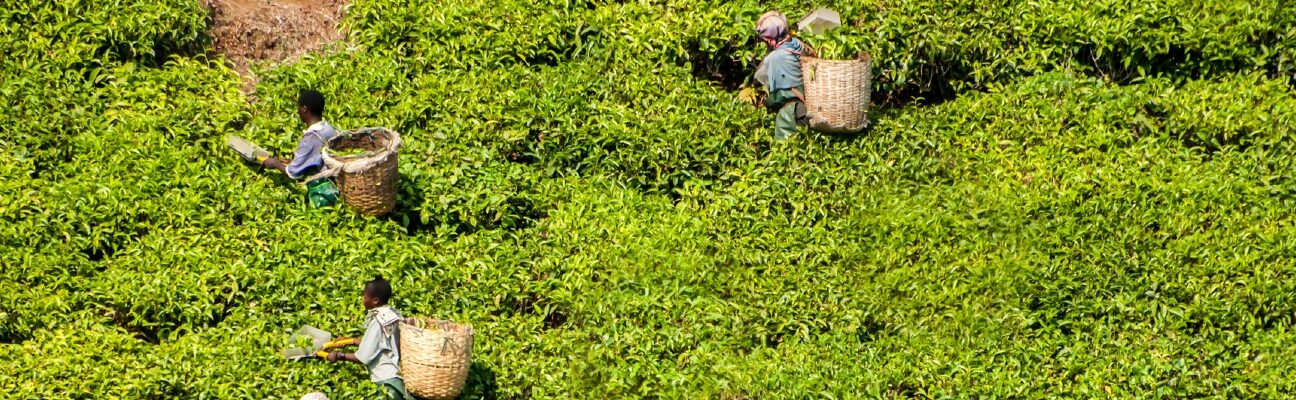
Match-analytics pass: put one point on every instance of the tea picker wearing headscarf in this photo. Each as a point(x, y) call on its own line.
point(780, 72)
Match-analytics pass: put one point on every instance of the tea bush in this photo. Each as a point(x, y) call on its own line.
point(1091, 202)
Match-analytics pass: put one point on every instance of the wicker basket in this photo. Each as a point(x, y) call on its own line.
point(435, 359)
point(368, 182)
point(837, 93)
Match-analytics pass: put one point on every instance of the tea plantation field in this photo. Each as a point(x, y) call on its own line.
point(1057, 199)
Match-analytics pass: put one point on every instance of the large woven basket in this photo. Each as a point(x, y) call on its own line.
point(368, 182)
point(435, 358)
point(837, 93)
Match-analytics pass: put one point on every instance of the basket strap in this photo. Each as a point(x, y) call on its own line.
point(325, 173)
point(810, 50)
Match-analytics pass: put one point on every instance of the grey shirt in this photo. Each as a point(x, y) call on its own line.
point(380, 346)
point(308, 159)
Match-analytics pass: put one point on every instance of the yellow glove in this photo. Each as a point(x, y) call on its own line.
point(322, 354)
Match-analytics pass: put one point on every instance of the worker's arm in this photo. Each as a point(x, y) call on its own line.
point(342, 356)
point(305, 146)
point(275, 163)
point(308, 152)
point(798, 94)
point(368, 346)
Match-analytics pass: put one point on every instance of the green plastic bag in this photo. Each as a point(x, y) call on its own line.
point(321, 192)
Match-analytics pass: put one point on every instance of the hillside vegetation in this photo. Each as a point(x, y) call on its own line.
point(1057, 199)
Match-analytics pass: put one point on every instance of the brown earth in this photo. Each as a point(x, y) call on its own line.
point(273, 30)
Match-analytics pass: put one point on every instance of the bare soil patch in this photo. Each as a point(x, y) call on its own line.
point(274, 30)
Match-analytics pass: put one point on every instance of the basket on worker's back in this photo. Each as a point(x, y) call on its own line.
point(434, 358)
point(837, 93)
point(368, 181)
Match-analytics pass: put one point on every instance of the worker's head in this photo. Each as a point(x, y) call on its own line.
point(376, 292)
point(310, 105)
point(772, 28)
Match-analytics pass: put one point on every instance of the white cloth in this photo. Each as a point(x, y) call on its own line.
point(315, 396)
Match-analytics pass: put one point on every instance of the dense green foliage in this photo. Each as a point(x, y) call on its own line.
point(1093, 201)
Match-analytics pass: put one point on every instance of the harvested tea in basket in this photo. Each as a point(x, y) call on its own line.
point(364, 164)
point(435, 357)
point(837, 93)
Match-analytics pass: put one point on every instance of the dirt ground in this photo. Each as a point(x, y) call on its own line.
point(273, 30)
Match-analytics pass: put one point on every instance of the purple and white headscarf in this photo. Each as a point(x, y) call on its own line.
point(772, 25)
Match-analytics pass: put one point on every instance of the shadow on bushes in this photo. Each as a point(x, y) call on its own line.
point(481, 383)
